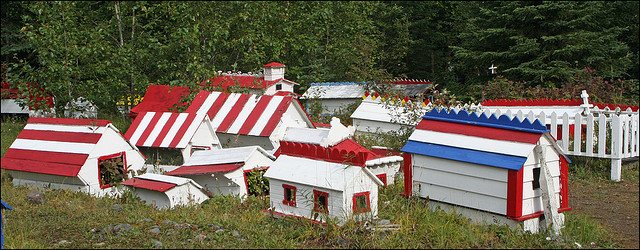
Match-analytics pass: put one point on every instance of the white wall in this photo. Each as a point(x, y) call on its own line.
point(390, 169)
point(159, 199)
point(466, 184)
point(532, 199)
point(218, 184)
point(304, 201)
point(185, 195)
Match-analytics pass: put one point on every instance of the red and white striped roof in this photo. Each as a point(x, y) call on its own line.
point(244, 114)
point(164, 129)
point(56, 146)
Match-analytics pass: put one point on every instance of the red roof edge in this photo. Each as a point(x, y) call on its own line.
point(205, 169)
point(273, 64)
point(148, 184)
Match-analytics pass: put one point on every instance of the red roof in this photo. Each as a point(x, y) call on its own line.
point(41, 167)
point(273, 64)
point(347, 151)
point(160, 98)
point(205, 169)
point(149, 184)
point(39, 95)
point(173, 130)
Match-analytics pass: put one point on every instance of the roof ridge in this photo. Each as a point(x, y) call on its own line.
point(502, 122)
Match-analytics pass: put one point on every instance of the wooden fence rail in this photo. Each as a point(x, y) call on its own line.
point(607, 134)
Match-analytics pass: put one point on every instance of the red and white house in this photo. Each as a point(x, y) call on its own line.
point(271, 81)
point(321, 175)
point(186, 132)
point(246, 120)
point(488, 169)
point(224, 171)
point(166, 192)
point(70, 154)
point(44, 102)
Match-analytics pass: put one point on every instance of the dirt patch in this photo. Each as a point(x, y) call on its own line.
point(613, 205)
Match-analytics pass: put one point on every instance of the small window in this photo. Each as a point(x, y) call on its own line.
point(289, 195)
point(361, 203)
point(320, 201)
point(113, 169)
point(536, 178)
point(383, 178)
point(278, 86)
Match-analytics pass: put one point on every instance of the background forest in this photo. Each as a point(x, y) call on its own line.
point(107, 50)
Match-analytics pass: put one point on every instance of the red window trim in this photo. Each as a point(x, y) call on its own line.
point(244, 175)
point(105, 157)
point(316, 204)
point(285, 201)
point(355, 208)
point(383, 178)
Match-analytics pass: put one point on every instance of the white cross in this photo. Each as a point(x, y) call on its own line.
point(493, 69)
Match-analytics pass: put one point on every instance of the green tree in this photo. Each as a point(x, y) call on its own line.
point(540, 42)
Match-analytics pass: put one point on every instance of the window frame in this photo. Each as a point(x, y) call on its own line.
point(383, 178)
point(357, 210)
point(316, 203)
point(286, 201)
point(111, 156)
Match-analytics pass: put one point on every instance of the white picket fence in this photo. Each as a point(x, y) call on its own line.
point(608, 134)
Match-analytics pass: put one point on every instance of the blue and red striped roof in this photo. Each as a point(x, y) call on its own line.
point(492, 141)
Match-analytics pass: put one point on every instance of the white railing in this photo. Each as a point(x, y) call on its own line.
point(608, 134)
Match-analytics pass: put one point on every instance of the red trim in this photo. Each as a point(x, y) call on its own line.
point(46, 156)
point(408, 177)
point(149, 128)
point(383, 178)
point(244, 174)
point(285, 201)
point(48, 135)
point(233, 113)
point(472, 130)
point(316, 207)
point(275, 118)
point(69, 121)
point(183, 130)
point(149, 184)
point(361, 210)
point(534, 215)
point(255, 114)
point(514, 193)
point(167, 126)
point(134, 126)
point(40, 167)
point(273, 64)
point(105, 157)
point(564, 184)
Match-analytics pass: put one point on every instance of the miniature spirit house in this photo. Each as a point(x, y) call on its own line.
point(269, 82)
point(247, 120)
point(321, 175)
point(224, 171)
point(488, 169)
point(164, 191)
point(74, 154)
point(171, 138)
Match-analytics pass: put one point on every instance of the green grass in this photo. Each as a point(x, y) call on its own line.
point(77, 218)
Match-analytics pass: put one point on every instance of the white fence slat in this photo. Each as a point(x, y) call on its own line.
point(602, 135)
point(616, 148)
point(589, 135)
point(565, 133)
point(554, 125)
point(577, 132)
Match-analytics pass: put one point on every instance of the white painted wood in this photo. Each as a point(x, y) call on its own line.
point(468, 169)
point(156, 129)
point(461, 198)
point(554, 125)
point(565, 133)
point(616, 148)
point(53, 146)
point(552, 222)
point(577, 132)
point(64, 128)
point(463, 183)
point(602, 135)
point(472, 142)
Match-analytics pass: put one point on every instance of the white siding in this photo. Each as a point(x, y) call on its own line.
point(471, 185)
point(304, 201)
point(532, 199)
point(159, 199)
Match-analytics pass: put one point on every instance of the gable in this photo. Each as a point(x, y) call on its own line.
point(491, 141)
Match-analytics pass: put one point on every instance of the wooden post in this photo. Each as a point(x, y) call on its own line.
point(549, 201)
point(616, 148)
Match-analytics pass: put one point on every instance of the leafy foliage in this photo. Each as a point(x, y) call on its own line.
point(257, 184)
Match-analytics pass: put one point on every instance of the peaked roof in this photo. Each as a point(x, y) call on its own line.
point(218, 161)
point(492, 141)
point(243, 114)
point(164, 129)
point(56, 146)
point(316, 173)
point(158, 182)
point(160, 98)
point(346, 151)
point(273, 64)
